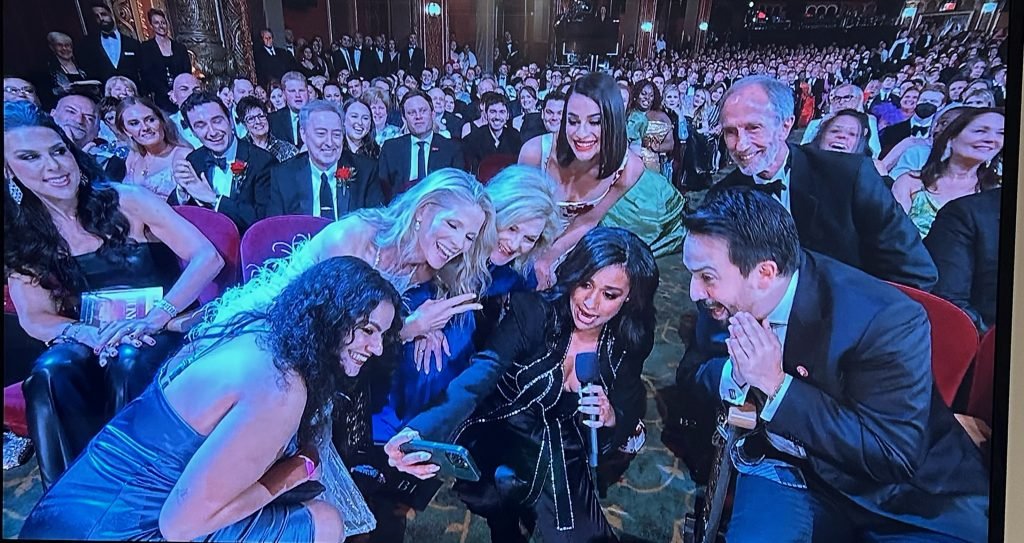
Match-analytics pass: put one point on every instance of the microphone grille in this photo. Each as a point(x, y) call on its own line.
point(588, 370)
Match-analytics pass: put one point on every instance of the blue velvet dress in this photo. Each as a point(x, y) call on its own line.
point(413, 391)
point(116, 489)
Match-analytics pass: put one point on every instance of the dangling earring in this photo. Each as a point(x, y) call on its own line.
point(948, 152)
point(15, 190)
point(84, 179)
point(416, 226)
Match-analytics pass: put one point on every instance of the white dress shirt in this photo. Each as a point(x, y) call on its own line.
point(112, 46)
point(782, 174)
point(731, 392)
point(186, 133)
point(415, 156)
point(222, 179)
point(316, 188)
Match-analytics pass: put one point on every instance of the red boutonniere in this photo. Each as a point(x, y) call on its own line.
point(238, 168)
point(344, 175)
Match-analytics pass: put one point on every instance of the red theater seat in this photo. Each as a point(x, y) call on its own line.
point(222, 232)
point(492, 164)
point(270, 237)
point(954, 340)
point(979, 400)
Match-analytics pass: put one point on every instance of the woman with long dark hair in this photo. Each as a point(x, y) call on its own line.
point(965, 159)
point(598, 179)
point(516, 405)
point(67, 232)
point(360, 130)
point(233, 422)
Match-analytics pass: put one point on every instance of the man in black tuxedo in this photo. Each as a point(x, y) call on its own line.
point(964, 242)
point(407, 159)
point(494, 138)
point(108, 52)
point(284, 123)
point(271, 62)
point(412, 59)
point(371, 60)
point(841, 206)
point(227, 174)
point(930, 101)
point(886, 92)
point(342, 57)
point(810, 340)
point(325, 181)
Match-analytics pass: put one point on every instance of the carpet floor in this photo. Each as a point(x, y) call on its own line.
point(647, 505)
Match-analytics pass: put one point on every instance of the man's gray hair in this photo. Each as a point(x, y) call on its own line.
point(780, 95)
point(314, 106)
point(859, 92)
point(293, 76)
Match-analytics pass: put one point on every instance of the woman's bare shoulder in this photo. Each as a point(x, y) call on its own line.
point(351, 236)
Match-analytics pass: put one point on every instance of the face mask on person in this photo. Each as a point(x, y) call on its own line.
point(925, 110)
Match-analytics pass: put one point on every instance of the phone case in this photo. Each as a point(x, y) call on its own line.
point(455, 460)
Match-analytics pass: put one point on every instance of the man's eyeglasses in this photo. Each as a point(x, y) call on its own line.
point(255, 117)
point(24, 91)
point(844, 98)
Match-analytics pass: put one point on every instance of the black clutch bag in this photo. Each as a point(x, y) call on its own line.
point(302, 493)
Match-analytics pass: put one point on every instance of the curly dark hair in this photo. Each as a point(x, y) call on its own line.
point(32, 245)
point(634, 96)
point(602, 247)
point(935, 166)
point(310, 322)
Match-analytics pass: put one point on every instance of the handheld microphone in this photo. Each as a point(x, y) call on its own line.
point(588, 371)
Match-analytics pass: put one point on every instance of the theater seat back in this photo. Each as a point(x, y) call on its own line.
point(272, 238)
point(954, 340)
point(222, 232)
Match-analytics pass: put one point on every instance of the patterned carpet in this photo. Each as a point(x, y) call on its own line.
point(647, 505)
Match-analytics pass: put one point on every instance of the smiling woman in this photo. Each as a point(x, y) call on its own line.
point(232, 423)
point(154, 142)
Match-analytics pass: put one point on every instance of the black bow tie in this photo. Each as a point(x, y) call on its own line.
point(918, 130)
point(220, 162)
point(774, 188)
point(108, 34)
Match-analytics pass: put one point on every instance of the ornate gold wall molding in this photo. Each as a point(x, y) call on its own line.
point(217, 33)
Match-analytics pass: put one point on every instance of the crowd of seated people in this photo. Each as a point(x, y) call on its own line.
point(460, 296)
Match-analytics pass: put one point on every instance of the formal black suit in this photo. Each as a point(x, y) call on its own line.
point(395, 166)
point(97, 64)
point(964, 242)
point(893, 134)
point(269, 66)
point(371, 64)
point(876, 100)
point(843, 209)
point(479, 144)
point(412, 64)
point(291, 186)
point(156, 72)
point(453, 124)
point(282, 127)
point(342, 60)
point(248, 200)
point(863, 405)
point(817, 86)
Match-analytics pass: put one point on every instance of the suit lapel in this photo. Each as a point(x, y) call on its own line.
point(809, 332)
point(803, 205)
point(241, 154)
point(303, 187)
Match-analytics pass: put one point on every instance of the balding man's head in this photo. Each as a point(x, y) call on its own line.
point(183, 87)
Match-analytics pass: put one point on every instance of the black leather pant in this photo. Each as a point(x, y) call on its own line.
point(69, 397)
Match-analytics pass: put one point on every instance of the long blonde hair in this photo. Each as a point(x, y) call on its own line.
point(466, 273)
point(524, 193)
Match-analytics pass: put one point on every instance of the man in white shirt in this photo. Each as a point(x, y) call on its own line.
point(407, 159)
point(284, 123)
point(183, 86)
point(271, 62)
point(852, 436)
point(225, 174)
point(106, 51)
point(325, 181)
point(240, 88)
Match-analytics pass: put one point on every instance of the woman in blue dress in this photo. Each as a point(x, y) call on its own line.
point(526, 218)
point(201, 454)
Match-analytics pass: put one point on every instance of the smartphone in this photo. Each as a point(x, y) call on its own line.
point(454, 460)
